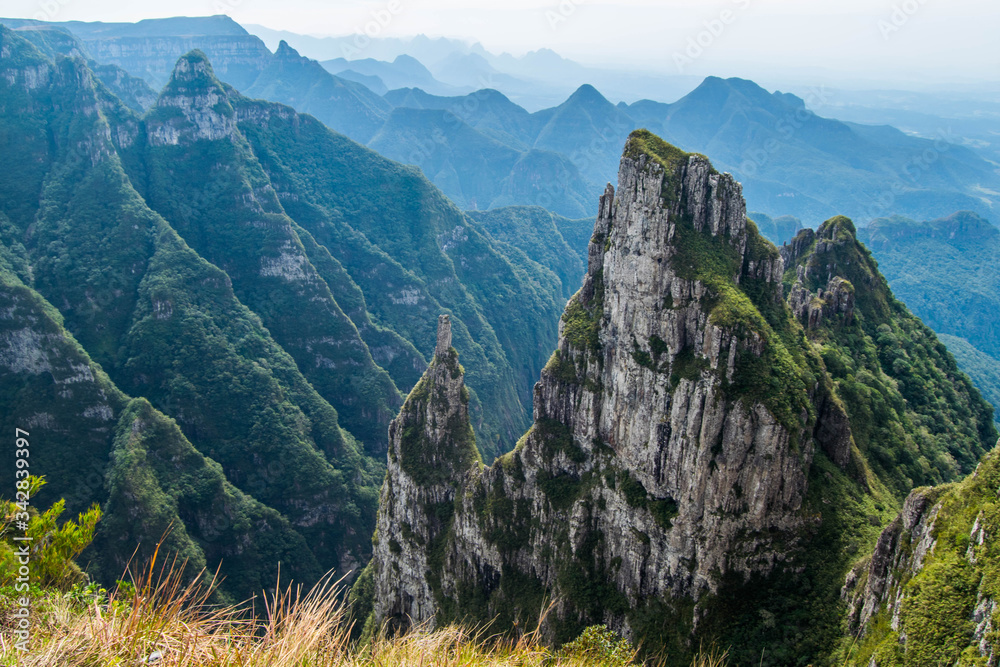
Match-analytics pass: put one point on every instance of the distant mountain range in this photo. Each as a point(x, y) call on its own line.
point(536, 80)
point(484, 150)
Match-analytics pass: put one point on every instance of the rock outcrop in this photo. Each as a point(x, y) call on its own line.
point(660, 466)
point(812, 309)
point(836, 297)
point(194, 106)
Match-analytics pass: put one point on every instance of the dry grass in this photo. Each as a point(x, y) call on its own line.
point(165, 616)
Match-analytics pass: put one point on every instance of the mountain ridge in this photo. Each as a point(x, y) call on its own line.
point(792, 161)
point(164, 243)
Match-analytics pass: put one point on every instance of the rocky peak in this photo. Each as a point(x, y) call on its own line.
point(194, 106)
point(443, 336)
point(432, 448)
point(663, 460)
point(834, 276)
point(813, 309)
point(286, 52)
point(589, 96)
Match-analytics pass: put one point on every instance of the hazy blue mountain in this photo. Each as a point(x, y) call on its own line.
point(791, 161)
point(476, 171)
point(970, 113)
point(489, 111)
point(199, 26)
point(403, 72)
point(536, 80)
point(464, 163)
point(475, 71)
point(534, 63)
point(776, 230)
point(425, 49)
point(372, 83)
point(345, 106)
point(587, 128)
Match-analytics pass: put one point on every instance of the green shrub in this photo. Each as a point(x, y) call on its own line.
point(599, 646)
point(53, 547)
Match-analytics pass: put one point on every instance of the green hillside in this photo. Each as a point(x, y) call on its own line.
point(267, 346)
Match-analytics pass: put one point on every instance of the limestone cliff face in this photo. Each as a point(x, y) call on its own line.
point(900, 553)
point(661, 463)
point(238, 59)
point(813, 308)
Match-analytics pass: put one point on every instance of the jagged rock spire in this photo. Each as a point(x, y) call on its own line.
point(444, 336)
point(659, 463)
point(431, 450)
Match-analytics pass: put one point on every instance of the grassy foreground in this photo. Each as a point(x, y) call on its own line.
point(160, 620)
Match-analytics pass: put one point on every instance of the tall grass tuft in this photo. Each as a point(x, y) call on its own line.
point(162, 617)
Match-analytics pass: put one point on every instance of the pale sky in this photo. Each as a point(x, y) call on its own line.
point(912, 40)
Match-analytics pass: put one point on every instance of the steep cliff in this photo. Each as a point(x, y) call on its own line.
point(928, 593)
point(691, 472)
point(164, 324)
point(95, 444)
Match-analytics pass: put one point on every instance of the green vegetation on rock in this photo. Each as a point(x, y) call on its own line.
point(913, 414)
